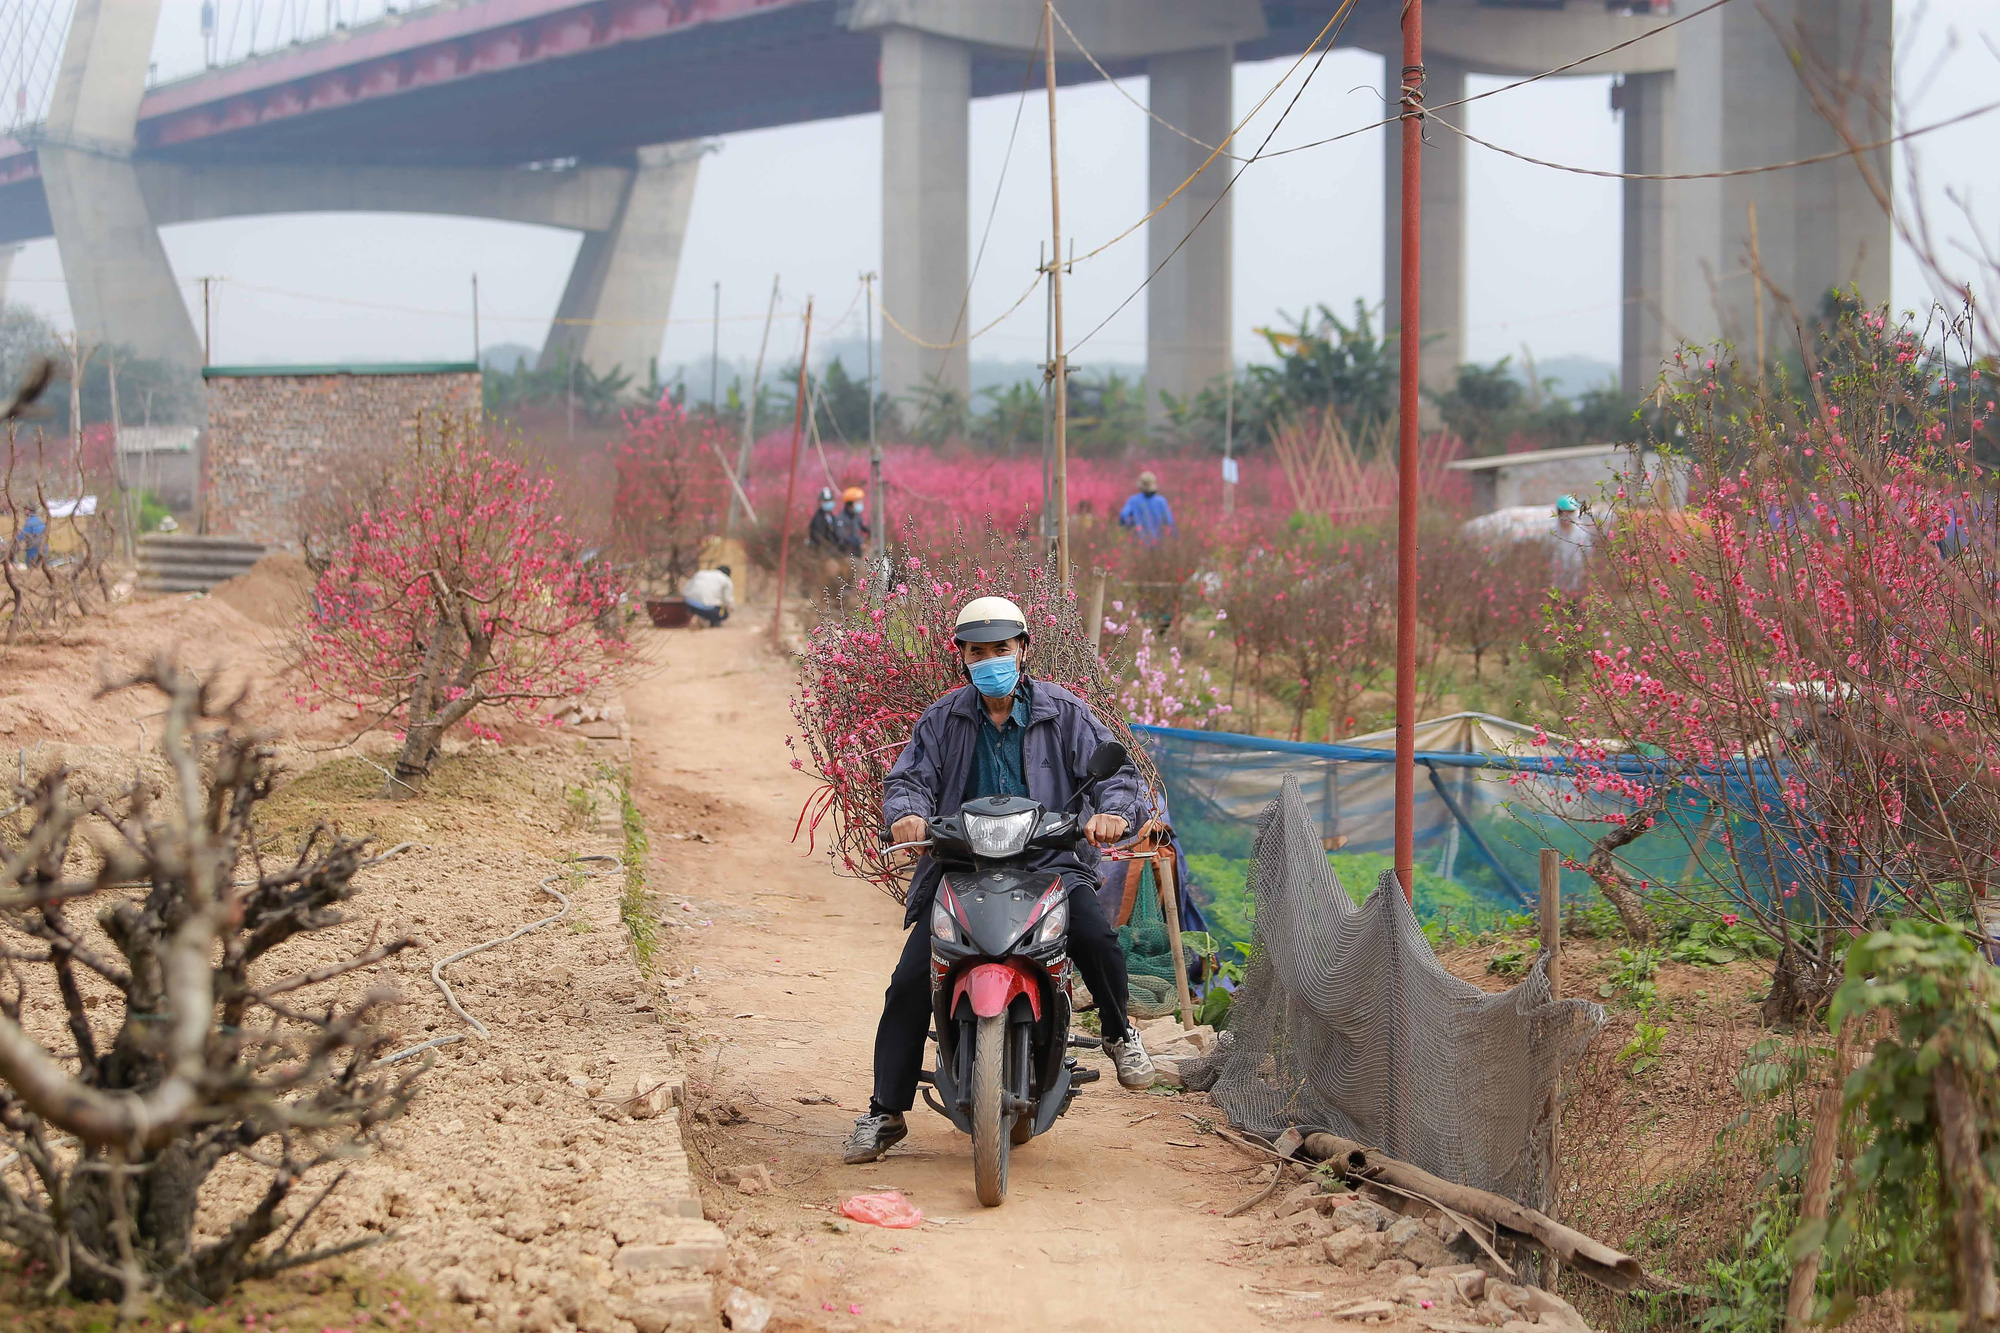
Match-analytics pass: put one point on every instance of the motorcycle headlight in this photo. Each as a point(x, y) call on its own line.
point(942, 926)
point(1053, 923)
point(999, 836)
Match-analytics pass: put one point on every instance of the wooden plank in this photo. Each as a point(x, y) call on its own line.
point(1094, 627)
point(1165, 874)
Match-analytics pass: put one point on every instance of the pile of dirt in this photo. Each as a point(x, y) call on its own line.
point(274, 593)
point(53, 687)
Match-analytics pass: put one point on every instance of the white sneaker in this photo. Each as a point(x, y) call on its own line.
point(1135, 1067)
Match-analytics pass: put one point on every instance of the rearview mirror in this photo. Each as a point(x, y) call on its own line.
point(1107, 759)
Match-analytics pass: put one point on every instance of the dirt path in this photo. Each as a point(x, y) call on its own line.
point(1114, 1219)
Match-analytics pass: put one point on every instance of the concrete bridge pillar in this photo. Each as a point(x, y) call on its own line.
point(1188, 304)
point(121, 287)
point(926, 91)
point(622, 283)
point(1647, 104)
point(1441, 271)
point(1738, 102)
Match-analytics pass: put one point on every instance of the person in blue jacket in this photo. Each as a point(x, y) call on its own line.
point(1002, 734)
point(1147, 511)
point(33, 539)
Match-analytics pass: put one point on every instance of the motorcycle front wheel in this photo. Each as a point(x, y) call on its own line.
point(991, 1130)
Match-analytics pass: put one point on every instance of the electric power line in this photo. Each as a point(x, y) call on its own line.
point(1340, 17)
point(1814, 160)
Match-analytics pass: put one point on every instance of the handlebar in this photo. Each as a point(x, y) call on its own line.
point(905, 846)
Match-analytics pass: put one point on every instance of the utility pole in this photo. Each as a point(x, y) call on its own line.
point(207, 343)
point(1406, 486)
point(475, 319)
point(742, 473)
point(1229, 444)
point(875, 494)
point(1048, 392)
point(791, 481)
point(715, 356)
point(1757, 279)
point(79, 357)
point(128, 503)
point(1059, 362)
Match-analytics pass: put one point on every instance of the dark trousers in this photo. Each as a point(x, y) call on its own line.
point(714, 615)
point(906, 1005)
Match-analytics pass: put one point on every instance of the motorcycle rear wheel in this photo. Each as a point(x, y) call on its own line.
point(991, 1131)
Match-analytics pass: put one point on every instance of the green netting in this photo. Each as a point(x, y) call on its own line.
point(1489, 797)
point(1149, 959)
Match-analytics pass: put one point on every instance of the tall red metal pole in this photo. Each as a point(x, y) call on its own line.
point(791, 479)
point(1406, 486)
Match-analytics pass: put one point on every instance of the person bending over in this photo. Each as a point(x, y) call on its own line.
point(710, 594)
point(1006, 736)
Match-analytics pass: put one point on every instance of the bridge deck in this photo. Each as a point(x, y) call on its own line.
point(512, 82)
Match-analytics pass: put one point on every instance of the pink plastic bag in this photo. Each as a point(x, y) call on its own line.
point(889, 1209)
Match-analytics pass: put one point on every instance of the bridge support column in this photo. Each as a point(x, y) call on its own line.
point(1647, 103)
point(1188, 304)
point(1740, 103)
point(121, 287)
point(926, 90)
point(622, 283)
point(1441, 273)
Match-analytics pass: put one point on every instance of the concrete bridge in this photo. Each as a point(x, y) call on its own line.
point(588, 115)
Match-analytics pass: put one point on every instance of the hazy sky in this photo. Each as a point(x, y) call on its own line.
point(805, 203)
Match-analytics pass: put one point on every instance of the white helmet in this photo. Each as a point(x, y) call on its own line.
point(990, 620)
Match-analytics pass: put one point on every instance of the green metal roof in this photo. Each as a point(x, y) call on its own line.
point(350, 368)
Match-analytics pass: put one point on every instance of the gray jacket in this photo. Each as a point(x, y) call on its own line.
point(934, 769)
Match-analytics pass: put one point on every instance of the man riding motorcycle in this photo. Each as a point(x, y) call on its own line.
point(1006, 736)
point(823, 533)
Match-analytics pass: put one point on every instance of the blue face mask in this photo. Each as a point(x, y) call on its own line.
point(996, 677)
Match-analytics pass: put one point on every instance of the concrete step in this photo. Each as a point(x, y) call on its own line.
point(187, 541)
point(223, 569)
point(177, 562)
point(201, 583)
point(192, 560)
point(181, 563)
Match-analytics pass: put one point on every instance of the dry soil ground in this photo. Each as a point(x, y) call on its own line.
point(520, 1186)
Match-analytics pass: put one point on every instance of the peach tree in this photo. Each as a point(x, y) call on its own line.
point(462, 591)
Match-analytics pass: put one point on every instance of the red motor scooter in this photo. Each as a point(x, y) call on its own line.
point(1000, 974)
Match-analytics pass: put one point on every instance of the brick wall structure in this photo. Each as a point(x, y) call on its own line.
point(280, 435)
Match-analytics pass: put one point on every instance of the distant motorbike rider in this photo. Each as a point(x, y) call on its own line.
point(823, 536)
point(852, 526)
point(1006, 736)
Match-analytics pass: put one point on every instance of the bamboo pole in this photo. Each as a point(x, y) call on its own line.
point(791, 480)
point(1551, 917)
point(875, 493)
point(1059, 366)
point(1587, 1257)
point(1095, 627)
point(741, 474)
point(1551, 923)
point(1406, 487)
point(1165, 874)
